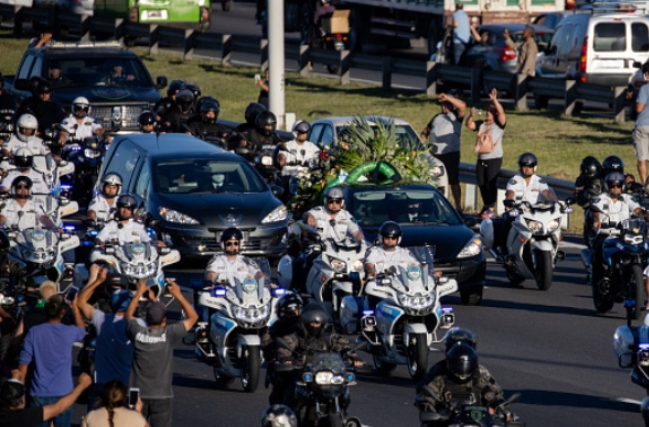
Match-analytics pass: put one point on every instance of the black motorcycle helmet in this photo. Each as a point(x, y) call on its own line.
point(174, 87)
point(231, 234)
point(209, 107)
point(526, 159)
point(459, 336)
point(147, 118)
point(612, 164)
point(390, 229)
point(185, 98)
point(265, 118)
point(462, 361)
point(614, 178)
point(205, 99)
point(278, 416)
point(252, 110)
point(195, 89)
point(590, 167)
point(288, 304)
point(315, 313)
point(43, 86)
point(19, 182)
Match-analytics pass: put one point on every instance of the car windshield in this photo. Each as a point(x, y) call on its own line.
point(207, 176)
point(373, 207)
point(406, 134)
point(85, 72)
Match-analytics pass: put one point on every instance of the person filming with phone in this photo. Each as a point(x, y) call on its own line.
point(112, 410)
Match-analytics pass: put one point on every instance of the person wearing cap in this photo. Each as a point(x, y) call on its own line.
point(24, 161)
point(114, 350)
point(48, 348)
point(15, 413)
point(153, 346)
point(527, 51)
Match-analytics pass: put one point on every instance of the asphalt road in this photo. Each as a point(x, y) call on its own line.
point(549, 346)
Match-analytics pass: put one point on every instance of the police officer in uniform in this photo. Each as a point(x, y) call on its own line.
point(206, 127)
point(224, 266)
point(21, 211)
point(263, 134)
point(103, 207)
point(297, 152)
point(588, 187)
point(7, 108)
point(24, 160)
point(47, 111)
point(123, 228)
point(288, 309)
point(331, 221)
point(608, 210)
point(183, 113)
point(25, 137)
point(148, 122)
point(79, 125)
point(166, 105)
point(456, 378)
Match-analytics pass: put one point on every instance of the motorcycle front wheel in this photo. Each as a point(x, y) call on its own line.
point(383, 368)
point(417, 356)
point(250, 371)
point(543, 270)
point(603, 303)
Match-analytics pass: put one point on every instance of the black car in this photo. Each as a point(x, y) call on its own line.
point(427, 219)
point(87, 69)
point(198, 190)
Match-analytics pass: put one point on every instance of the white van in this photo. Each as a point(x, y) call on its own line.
point(596, 48)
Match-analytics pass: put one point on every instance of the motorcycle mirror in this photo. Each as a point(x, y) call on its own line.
point(110, 251)
point(153, 223)
point(164, 251)
point(443, 279)
point(509, 203)
point(63, 163)
point(625, 360)
point(283, 367)
point(161, 82)
point(65, 236)
point(242, 151)
point(91, 223)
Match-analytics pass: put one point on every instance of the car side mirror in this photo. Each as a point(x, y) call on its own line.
point(470, 221)
point(625, 360)
point(276, 190)
point(161, 82)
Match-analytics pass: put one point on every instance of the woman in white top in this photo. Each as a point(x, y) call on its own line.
point(112, 410)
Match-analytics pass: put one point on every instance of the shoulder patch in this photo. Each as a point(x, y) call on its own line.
point(317, 208)
point(512, 181)
point(542, 180)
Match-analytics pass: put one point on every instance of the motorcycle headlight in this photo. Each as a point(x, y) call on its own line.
point(554, 224)
point(437, 171)
point(251, 314)
point(152, 268)
point(278, 214)
point(338, 265)
point(473, 248)
point(417, 302)
point(357, 265)
point(266, 160)
point(324, 378)
point(337, 380)
point(535, 226)
point(91, 154)
point(177, 217)
point(633, 239)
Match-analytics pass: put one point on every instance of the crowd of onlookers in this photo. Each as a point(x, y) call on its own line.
point(133, 356)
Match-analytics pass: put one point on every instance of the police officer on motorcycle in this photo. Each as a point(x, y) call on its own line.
point(79, 125)
point(148, 122)
point(389, 253)
point(332, 220)
point(250, 114)
point(166, 105)
point(25, 137)
point(458, 376)
point(223, 266)
point(24, 160)
point(21, 211)
point(123, 228)
point(206, 126)
point(288, 309)
point(263, 134)
point(588, 187)
point(47, 111)
point(612, 164)
point(297, 152)
point(183, 113)
point(103, 207)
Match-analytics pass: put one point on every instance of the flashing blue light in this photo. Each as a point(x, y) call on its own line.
point(66, 187)
point(307, 377)
point(629, 302)
point(447, 309)
point(69, 228)
point(218, 292)
point(93, 232)
point(279, 292)
point(644, 346)
point(354, 275)
point(350, 377)
point(93, 343)
point(368, 312)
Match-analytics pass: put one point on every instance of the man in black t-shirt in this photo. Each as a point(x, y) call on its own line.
point(13, 412)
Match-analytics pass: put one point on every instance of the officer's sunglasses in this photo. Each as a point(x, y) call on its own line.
point(233, 243)
point(616, 186)
point(336, 201)
point(389, 238)
point(23, 187)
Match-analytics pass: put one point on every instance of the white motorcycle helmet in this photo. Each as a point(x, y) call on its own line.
point(112, 179)
point(80, 103)
point(335, 193)
point(300, 127)
point(25, 122)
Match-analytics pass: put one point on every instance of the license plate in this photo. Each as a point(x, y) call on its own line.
point(156, 14)
point(608, 64)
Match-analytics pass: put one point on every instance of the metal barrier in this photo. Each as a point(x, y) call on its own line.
point(437, 75)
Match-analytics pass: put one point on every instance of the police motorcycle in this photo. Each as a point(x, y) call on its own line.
point(337, 271)
point(624, 253)
point(51, 170)
point(230, 339)
point(41, 250)
point(405, 322)
point(463, 411)
point(533, 240)
point(87, 159)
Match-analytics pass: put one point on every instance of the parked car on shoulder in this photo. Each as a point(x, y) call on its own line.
point(197, 190)
point(325, 132)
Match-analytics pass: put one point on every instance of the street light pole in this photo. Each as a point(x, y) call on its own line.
point(276, 60)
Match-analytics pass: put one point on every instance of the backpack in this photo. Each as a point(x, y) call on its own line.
point(485, 144)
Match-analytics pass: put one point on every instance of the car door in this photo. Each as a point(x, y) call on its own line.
point(316, 131)
point(142, 184)
point(548, 62)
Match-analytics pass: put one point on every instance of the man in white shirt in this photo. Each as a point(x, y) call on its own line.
point(298, 152)
point(21, 211)
point(78, 125)
point(527, 186)
point(24, 160)
point(123, 228)
point(102, 208)
point(331, 221)
point(25, 137)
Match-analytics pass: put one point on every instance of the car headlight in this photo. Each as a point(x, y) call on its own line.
point(554, 224)
point(535, 226)
point(357, 265)
point(417, 302)
point(278, 214)
point(324, 377)
point(473, 248)
point(437, 171)
point(338, 265)
point(177, 217)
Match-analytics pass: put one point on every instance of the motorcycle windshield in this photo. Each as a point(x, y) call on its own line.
point(328, 362)
point(635, 226)
point(546, 198)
